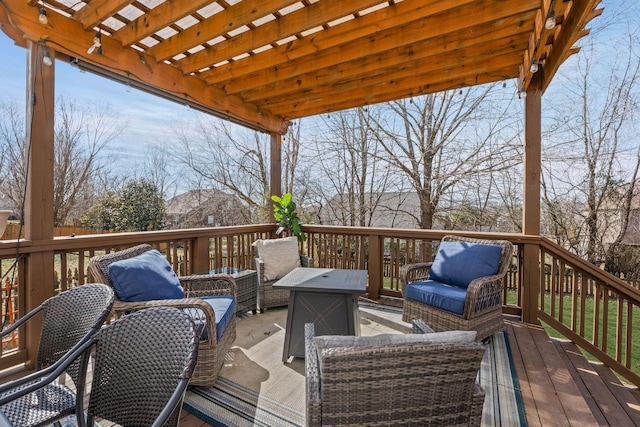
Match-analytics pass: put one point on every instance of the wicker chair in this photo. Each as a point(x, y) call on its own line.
point(197, 288)
point(481, 303)
point(70, 319)
point(267, 296)
point(142, 364)
point(415, 382)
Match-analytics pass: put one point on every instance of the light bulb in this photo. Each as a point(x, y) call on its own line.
point(46, 58)
point(534, 67)
point(550, 23)
point(96, 44)
point(43, 18)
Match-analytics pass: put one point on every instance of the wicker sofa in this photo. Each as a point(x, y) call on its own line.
point(197, 291)
point(414, 379)
point(479, 303)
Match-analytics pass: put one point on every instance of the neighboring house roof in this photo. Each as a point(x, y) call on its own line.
point(392, 209)
point(193, 205)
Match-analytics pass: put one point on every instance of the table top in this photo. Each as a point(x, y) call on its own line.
point(324, 280)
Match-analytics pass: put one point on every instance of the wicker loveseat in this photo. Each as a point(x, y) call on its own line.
point(216, 325)
point(415, 379)
point(461, 289)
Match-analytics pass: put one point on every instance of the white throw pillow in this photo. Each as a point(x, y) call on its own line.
point(280, 256)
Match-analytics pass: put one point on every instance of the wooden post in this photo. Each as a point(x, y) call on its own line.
point(200, 255)
point(376, 261)
point(276, 170)
point(38, 212)
point(531, 204)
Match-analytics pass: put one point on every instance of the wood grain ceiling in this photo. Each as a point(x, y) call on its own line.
point(262, 63)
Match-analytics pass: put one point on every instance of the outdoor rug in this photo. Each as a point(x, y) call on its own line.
point(256, 389)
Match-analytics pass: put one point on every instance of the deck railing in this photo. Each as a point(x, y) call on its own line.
point(587, 305)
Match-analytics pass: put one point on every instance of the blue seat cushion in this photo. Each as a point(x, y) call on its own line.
point(145, 277)
point(459, 263)
point(439, 295)
point(224, 309)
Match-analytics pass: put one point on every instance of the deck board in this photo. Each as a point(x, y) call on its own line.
point(596, 385)
point(547, 407)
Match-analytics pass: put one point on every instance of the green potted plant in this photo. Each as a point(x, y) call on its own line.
point(284, 212)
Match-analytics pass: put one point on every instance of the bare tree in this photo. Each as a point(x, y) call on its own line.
point(225, 157)
point(439, 141)
point(80, 133)
point(591, 170)
point(351, 181)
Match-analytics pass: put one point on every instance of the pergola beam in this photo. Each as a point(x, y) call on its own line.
point(424, 58)
point(363, 28)
point(381, 50)
point(232, 18)
point(289, 25)
point(71, 39)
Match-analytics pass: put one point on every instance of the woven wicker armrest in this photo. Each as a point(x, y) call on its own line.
point(260, 269)
point(482, 294)
point(196, 308)
point(312, 378)
point(419, 327)
point(410, 273)
point(208, 285)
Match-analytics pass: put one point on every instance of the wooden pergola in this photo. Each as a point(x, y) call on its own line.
point(263, 63)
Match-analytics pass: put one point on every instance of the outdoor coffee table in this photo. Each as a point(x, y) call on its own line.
point(246, 287)
point(325, 296)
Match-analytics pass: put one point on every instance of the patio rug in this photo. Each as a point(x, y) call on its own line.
point(256, 389)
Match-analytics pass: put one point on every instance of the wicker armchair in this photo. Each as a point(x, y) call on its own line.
point(70, 319)
point(480, 304)
point(197, 289)
point(267, 296)
point(393, 380)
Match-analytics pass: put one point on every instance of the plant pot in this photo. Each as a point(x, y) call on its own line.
point(4, 216)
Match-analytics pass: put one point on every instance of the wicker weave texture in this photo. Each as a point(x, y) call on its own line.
point(483, 304)
point(417, 384)
point(211, 352)
point(68, 317)
point(268, 296)
point(140, 361)
point(247, 290)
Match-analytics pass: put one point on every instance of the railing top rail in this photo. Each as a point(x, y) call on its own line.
point(599, 274)
point(412, 233)
point(95, 241)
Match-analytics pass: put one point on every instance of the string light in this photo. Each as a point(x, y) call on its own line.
point(534, 66)
point(97, 43)
point(43, 18)
point(46, 57)
point(550, 22)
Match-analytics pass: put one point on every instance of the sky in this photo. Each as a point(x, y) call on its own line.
point(151, 119)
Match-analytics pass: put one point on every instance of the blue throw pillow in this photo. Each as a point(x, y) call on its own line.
point(145, 277)
point(458, 263)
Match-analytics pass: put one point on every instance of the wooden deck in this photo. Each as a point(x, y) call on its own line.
point(559, 386)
